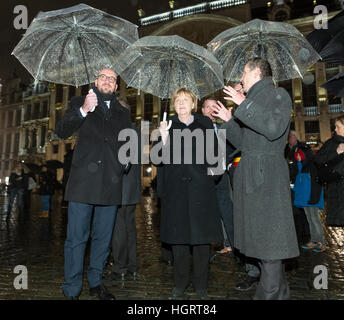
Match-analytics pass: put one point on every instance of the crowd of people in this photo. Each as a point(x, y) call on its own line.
point(23, 181)
point(262, 208)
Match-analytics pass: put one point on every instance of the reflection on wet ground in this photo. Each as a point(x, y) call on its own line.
point(37, 243)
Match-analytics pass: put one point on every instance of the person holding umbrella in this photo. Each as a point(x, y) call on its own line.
point(94, 183)
point(190, 218)
point(263, 220)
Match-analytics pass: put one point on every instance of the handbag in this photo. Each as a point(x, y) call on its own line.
point(327, 173)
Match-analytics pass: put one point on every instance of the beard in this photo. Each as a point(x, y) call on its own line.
point(106, 90)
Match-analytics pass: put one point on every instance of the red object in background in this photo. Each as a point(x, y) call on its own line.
point(301, 153)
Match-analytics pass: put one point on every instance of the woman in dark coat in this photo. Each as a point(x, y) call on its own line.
point(334, 149)
point(189, 213)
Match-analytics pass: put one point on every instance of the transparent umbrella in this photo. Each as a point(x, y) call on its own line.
point(281, 44)
point(71, 45)
point(160, 65)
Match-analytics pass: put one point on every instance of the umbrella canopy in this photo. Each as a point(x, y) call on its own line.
point(71, 45)
point(160, 65)
point(281, 44)
point(335, 85)
point(329, 43)
point(34, 168)
point(54, 164)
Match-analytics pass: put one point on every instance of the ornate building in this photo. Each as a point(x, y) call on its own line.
point(11, 111)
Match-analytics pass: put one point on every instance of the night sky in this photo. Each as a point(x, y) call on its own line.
point(9, 36)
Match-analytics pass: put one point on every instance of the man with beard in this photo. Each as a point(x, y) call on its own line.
point(95, 181)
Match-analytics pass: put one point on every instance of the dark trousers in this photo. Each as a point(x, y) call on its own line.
point(226, 207)
point(181, 266)
point(273, 283)
point(124, 240)
point(27, 200)
point(78, 232)
point(301, 223)
point(15, 192)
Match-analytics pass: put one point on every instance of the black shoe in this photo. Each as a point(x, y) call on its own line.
point(134, 275)
point(117, 276)
point(72, 298)
point(101, 293)
point(247, 284)
point(202, 294)
point(177, 294)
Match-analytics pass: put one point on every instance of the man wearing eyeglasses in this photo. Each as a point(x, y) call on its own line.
point(95, 181)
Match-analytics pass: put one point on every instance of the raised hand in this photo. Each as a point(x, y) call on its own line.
point(220, 111)
point(91, 101)
point(235, 94)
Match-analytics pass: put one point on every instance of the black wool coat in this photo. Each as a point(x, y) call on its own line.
point(189, 210)
point(96, 173)
point(131, 192)
point(335, 190)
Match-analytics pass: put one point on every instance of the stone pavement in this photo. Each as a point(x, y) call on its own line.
point(37, 243)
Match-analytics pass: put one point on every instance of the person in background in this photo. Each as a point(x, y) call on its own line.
point(18, 183)
point(333, 150)
point(46, 190)
point(124, 236)
point(223, 191)
point(300, 219)
point(305, 198)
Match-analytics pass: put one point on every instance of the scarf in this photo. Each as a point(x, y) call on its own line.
point(102, 97)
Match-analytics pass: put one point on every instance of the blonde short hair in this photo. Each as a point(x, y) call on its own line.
point(183, 91)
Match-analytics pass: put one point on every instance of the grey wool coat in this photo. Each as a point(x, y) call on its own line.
point(263, 219)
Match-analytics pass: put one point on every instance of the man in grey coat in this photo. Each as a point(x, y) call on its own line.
point(263, 218)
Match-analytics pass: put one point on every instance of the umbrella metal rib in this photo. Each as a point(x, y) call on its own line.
point(97, 47)
point(45, 54)
point(290, 56)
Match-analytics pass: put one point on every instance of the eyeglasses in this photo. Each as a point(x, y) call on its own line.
point(103, 77)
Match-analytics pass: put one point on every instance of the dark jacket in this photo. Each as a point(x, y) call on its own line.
point(96, 173)
point(335, 190)
point(292, 163)
point(46, 183)
point(308, 166)
point(132, 179)
point(189, 211)
point(18, 181)
point(226, 180)
point(263, 220)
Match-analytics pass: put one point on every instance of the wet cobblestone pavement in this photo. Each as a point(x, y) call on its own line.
point(37, 243)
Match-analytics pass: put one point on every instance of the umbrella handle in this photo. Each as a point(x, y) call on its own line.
point(169, 122)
